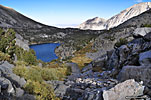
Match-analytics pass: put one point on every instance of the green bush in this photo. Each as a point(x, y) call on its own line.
point(36, 76)
point(42, 90)
point(52, 73)
point(29, 57)
point(26, 56)
point(32, 73)
point(7, 41)
point(122, 41)
point(4, 57)
point(146, 25)
point(20, 71)
point(39, 74)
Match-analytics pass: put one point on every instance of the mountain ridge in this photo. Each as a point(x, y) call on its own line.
point(118, 19)
point(10, 18)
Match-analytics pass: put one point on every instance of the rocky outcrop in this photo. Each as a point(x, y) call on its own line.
point(128, 54)
point(64, 52)
point(10, 84)
point(21, 42)
point(6, 71)
point(99, 24)
point(139, 73)
point(140, 32)
point(124, 90)
point(106, 41)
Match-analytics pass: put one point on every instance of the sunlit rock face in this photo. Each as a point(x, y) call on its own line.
point(99, 23)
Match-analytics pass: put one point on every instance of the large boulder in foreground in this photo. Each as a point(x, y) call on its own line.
point(139, 73)
point(122, 90)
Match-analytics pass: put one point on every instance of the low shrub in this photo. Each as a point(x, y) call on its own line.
point(20, 71)
point(36, 76)
point(146, 25)
point(39, 74)
point(7, 42)
point(122, 41)
point(4, 57)
point(42, 90)
point(26, 56)
point(29, 57)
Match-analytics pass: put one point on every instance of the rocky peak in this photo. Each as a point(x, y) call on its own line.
point(92, 23)
point(127, 14)
point(118, 19)
point(95, 20)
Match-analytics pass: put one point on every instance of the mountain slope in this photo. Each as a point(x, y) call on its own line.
point(12, 19)
point(118, 19)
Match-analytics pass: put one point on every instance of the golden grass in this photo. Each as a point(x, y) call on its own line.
point(80, 57)
point(81, 60)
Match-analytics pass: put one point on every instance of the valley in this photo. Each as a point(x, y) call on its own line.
point(112, 64)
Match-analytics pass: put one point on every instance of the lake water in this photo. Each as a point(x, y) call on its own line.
point(45, 52)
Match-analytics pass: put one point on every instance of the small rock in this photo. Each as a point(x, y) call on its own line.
point(19, 92)
point(141, 31)
point(59, 87)
point(74, 67)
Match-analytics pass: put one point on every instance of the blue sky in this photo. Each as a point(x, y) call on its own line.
point(68, 12)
